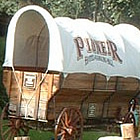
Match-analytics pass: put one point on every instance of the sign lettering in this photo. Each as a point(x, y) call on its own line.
point(96, 50)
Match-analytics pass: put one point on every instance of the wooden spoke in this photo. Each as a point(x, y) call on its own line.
point(69, 125)
point(11, 127)
point(9, 136)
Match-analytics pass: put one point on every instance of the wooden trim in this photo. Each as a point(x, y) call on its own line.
point(30, 69)
point(107, 100)
point(9, 82)
point(37, 96)
point(50, 90)
point(20, 78)
point(50, 85)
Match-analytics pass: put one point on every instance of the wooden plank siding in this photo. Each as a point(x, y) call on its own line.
point(30, 101)
point(50, 93)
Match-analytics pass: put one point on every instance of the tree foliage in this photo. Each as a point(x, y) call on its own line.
point(3, 94)
point(8, 7)
point(70, 8)
point(112, 11)
point(121, 10)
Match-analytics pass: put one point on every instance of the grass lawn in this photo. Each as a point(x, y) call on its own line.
point(87, 135)
point(40, 135)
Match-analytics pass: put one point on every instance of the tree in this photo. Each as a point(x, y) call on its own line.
point(112, 11)
point(3, 94)
point(8, 7)
point(117, 11)
point(70, 8)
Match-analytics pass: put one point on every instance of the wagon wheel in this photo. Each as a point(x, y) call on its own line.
point(11, 127)
point(69, 125)
point(129, 118)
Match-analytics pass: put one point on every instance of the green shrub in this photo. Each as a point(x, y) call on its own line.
point(3, 95)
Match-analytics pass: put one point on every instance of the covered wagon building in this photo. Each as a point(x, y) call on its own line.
point(52, 63)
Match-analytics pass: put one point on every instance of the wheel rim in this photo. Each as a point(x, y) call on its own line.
point(11, 127)
point(69, 125)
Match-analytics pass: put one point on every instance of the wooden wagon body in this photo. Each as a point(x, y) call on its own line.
point(54, 64)
point(40, 96)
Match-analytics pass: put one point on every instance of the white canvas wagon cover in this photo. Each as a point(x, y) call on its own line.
point(36, 40)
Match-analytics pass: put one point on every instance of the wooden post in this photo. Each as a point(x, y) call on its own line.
point(37, 96)
point(20, 77)
point(127, 131)
point(22, 138)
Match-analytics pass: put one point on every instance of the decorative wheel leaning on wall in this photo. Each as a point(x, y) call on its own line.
point(11, 127)
point(69, 125)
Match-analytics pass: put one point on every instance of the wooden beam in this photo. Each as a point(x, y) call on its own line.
point(37, 96)
point(50, 90)
point(19, 77)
